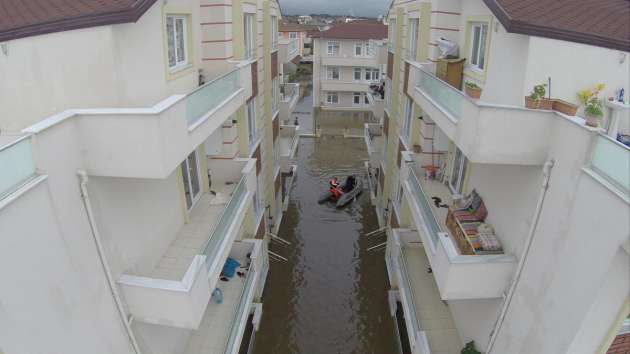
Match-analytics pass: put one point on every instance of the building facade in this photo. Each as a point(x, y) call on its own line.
point(347, 60)
point(506, 225)
point(140, 148)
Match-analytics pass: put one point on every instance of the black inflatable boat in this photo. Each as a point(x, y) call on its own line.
point(351, 188)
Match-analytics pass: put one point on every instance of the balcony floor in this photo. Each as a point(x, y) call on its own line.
point(214, 330)
point(432, 313)
point(434, 188)
point(193, 235)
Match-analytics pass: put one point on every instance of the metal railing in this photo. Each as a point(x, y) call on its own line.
point(16, 165)
point(425, 208)
point(220, 231)
point(208, 96)
point(611, 160)
point(233, 344)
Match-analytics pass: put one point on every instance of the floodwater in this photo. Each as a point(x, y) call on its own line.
point(331, 295)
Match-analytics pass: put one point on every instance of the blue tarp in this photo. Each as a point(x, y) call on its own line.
point(229, 268)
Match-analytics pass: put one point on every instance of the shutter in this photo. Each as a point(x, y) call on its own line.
point(274, 64)
point(406, 84)
point(254, 67)
point(258, 157)
point(276, 127)
point(390, 65)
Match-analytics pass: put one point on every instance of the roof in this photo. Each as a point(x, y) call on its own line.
point(355, 30)
point(294, 27)
point(603, 23)
point(24, 18)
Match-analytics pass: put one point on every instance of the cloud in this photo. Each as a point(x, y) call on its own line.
point(371, 8)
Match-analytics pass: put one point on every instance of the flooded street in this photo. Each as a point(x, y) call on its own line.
point(330, 297)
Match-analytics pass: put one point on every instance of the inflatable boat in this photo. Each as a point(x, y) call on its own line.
point(350, 189)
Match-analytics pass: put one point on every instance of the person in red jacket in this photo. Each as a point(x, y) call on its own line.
point(335, 188)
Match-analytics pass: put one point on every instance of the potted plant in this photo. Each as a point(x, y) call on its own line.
point(593, 106)
point(472, 90)
point(537, 99)
point(469, 348)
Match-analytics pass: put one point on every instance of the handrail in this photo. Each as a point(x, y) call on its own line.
point(425, 208)
point(232, 344)
point(208, 96)
point(18, 155)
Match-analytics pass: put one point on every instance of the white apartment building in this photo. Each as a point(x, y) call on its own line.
point(139, 149)
point(347, 60)
point(506, 226)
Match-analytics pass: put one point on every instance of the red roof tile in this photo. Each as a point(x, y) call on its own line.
point(603, 23)
point(355, 30)
point(24, 18)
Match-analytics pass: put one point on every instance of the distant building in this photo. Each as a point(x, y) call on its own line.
point(304, 19)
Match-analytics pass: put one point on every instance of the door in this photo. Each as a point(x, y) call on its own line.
point(190, 173)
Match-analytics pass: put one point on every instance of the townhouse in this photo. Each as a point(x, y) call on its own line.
point(139, 149)
point(506, 225)
point(347, 59)
point(296, 36)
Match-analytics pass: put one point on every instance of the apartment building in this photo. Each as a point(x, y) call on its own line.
point(139, 149)
point(347, 59)
point(296, 36)
point(507, 226)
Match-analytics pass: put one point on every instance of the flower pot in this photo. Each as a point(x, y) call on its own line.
point(592, 121)
point(546, 103)
point(417, 149)
point(473, 92)
point(532, 103)
point(564, 107)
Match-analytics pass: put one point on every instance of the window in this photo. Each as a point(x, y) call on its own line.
point(292, 35)
point(479, 37)
point(258, 202)
point(275, 96)
point(388, 94)
point(413, 39)
point(363, 49)
point(366, 99)
point(392, 35)
point(356, 98)
point(249, 36)
point(333, 48)
point(190, 173)
point(406, 128)
point(332, 73)
point(176, 28)
point(332, 98)
point(357, 74)
point(274, 32)
point(460, 164)
point(358, 49)
point(372, 74)
point(293, 42)
point(251, 121)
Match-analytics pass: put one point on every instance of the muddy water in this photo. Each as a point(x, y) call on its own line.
point(330, 297)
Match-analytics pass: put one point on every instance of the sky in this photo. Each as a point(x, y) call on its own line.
point(368, 8)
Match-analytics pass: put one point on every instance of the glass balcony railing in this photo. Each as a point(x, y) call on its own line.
point(425, 208)
point(210, 95)
point(407, 289)
point(243, 305)
point(445, 95)
point(611, 160)
point(16, 165)
point(220, 231)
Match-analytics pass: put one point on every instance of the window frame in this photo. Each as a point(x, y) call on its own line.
point(177, 64)
point(413, 38)
point(391, 45)
point(360, 72)
point(456, 183)
point(330, 95)
point(274, 32)
point(251, 121)
point(482, 45)
point(359, 46)
point(333, 44)
point(330, 73)
point(188, 182)
point(356, 96)
point(249, 40)
point(406, 127)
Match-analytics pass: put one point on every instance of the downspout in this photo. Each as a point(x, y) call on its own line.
point(521, 263)
point(101, 255)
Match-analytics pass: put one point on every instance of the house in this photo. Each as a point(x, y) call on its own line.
point(139, 150)
point(347, 60)
point(507, 217)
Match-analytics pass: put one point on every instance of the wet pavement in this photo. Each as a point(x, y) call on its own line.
point(331, 295)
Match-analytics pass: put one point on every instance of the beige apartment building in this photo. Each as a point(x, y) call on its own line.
point(507, 224)
point(347, 59)
point(140, 147)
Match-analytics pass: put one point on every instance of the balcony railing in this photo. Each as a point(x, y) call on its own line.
point(293, 47)
point(288, 91)
point(611, 160)
point(211, 248)
point(16, 165)
point(207, 97)
point(244, 304)
point(445, 95)
point(425, 208)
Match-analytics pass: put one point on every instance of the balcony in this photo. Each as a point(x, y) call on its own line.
point(17, 167)
point(151, 142)
point(348, 60)
point(430, 326)
point(175, 292)
point(459, 273)
point(348, 86)
point(374, 141)
point(486, 133)
point(289, 49)
point(289, 97)
point(223, 325)
point(288, 142)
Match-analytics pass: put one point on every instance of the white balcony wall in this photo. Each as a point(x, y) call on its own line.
point(54, 283)
point(120, 65)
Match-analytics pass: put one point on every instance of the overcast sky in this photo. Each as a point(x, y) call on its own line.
point(371, 8)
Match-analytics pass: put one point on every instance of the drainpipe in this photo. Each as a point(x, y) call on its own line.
point(521, 263)
point(101, 255)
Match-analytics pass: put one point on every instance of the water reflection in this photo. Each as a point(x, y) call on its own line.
point(331, 295)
